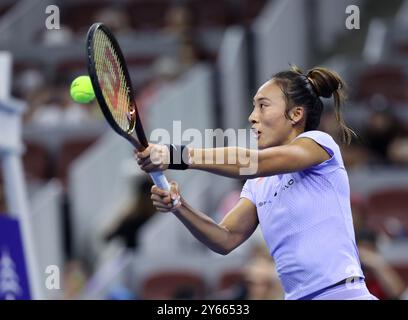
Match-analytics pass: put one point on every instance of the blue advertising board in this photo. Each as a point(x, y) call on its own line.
point(14, 283)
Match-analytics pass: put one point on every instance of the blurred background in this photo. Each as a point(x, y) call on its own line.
point(200, 62)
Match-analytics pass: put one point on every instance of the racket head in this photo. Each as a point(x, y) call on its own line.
point(112, 85)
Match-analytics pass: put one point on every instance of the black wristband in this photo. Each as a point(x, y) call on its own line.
point(177, 156)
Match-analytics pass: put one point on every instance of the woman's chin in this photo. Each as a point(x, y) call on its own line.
point(263, 145)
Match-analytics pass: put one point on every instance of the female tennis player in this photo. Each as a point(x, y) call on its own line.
point(299, 193)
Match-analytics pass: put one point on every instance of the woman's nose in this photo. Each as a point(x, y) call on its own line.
point(252, 117)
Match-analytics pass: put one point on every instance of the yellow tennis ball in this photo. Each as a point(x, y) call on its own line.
point(81, 90)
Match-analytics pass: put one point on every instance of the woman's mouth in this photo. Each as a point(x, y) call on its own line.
point(256, 133)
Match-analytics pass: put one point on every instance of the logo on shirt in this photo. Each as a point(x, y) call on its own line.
point(262, 203)
point(285, 187)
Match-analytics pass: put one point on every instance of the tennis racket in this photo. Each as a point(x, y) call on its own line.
point(113, 90)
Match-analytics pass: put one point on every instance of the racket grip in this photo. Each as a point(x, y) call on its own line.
point(160, 180)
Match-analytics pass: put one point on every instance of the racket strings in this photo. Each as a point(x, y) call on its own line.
point(112, 81)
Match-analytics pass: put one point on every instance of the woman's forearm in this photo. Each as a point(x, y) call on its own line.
point(233, 162)
point(204, 228)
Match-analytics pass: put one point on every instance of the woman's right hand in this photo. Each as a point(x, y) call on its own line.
point(163, 200)
point(154, 158)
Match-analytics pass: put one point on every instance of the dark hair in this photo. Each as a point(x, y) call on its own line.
point(305, 90)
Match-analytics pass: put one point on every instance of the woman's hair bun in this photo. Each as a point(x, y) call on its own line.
point(324, 81)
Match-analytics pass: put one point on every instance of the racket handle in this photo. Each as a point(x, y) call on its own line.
point(160, 180)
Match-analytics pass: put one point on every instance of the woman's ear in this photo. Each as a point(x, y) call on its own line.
point(297, 115)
